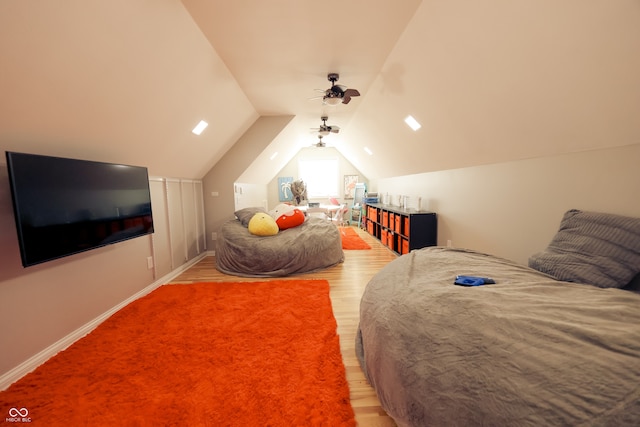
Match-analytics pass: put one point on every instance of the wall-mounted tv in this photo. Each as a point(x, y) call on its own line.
point(66, 206)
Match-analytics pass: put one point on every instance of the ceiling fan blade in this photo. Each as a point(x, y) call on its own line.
point(348, 94)
point(334, 129)
point(351, 92)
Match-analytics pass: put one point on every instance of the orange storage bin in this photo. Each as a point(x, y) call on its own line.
point(405, 246)
point(398, 222)
point(390, 237)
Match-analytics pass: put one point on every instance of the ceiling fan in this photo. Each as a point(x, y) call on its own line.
point(336, 94)
point(324, 130)
point(320, 143)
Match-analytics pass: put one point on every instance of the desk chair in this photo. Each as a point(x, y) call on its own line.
point(339, 219)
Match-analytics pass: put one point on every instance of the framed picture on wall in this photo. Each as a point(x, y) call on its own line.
point(284, 188)
point(350, 182)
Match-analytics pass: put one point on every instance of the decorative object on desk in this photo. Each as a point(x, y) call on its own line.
point(273, 364)
point(406, 200)
point(284, 188)
point(350, 182)
point(299, 190)
point(351, 240)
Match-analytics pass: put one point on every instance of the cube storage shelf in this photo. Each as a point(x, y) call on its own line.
point(401, 230)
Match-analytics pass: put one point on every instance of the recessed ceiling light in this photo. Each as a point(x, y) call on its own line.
point(200, 127)
point(369, 152)
point(413, 123)
point(273, 156)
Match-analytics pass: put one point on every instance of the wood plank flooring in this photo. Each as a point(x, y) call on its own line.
point(347, 282)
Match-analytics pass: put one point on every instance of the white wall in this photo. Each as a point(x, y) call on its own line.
point(219, 183)
point(498, 81)
point(117, 80)
point(513, 209)
point(250, 195)
point(48, 305)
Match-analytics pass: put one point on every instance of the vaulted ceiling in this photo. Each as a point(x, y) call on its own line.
point(281, 52)
point(489, 81)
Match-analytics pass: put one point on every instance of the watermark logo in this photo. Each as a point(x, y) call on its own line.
point(18, 415)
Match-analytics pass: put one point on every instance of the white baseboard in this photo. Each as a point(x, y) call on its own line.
point(38, 359)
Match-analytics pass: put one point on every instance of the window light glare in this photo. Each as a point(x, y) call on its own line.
point(273, 156)
point(368, 151)
point(413, 123)
point(200, 127)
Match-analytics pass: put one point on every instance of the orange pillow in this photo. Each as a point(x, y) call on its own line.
point(287, 216)
point(290, 219)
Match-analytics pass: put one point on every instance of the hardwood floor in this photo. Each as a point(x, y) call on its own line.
point(347, 282)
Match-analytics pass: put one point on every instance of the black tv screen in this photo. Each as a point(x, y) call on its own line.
point(66, 206)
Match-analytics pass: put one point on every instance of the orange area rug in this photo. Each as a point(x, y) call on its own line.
point(205, 354)
point(351, 240)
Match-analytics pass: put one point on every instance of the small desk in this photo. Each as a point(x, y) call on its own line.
point(328, 210)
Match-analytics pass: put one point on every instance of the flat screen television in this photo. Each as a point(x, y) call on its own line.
point(66, 206)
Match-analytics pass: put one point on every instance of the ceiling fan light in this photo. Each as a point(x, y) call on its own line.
point(333, 101)
point(324, 132)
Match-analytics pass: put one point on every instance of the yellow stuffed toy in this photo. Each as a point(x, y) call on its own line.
point(262, 224)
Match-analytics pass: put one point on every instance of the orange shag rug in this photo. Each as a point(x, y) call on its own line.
point(351, 240)
point(206, 354)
